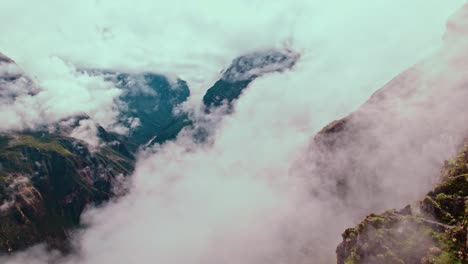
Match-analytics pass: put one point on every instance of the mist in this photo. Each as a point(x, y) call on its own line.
point(260, 192)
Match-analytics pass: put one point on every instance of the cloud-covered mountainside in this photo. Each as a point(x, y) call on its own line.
point(389, 153)
point(50, 172)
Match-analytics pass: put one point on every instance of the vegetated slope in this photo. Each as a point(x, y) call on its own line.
point(46, 180)
point(434, 231)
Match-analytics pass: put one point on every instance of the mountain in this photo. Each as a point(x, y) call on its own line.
point(383, 155)
point(245, 69)
point(388, 154)
point(366, 162)
point(47, 177)
point(242, 71)
point(46, 181)
point(150, 102)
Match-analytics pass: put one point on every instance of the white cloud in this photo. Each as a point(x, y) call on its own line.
point(87, 132)
point(57, 91)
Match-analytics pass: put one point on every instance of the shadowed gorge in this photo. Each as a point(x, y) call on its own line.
point(150, 101)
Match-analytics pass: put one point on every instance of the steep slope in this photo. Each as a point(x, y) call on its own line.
point(384, 155)
point(434, 233)
point(243, 70)
point(414, 119)
point(389, 152)
point(46, 180)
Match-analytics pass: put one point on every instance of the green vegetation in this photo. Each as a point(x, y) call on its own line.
point(446, 245)
point(45, 144)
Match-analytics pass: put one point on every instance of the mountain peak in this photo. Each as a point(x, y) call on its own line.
point(258, 63)
point(243, 70)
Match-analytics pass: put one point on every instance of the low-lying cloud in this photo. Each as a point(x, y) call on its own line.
point(56, 91)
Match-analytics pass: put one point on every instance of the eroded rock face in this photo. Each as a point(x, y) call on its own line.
point(434, 233)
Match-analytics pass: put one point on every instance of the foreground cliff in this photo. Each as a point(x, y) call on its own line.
point(432, 231)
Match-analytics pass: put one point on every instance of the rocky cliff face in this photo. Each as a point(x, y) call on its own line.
point(432, 231)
